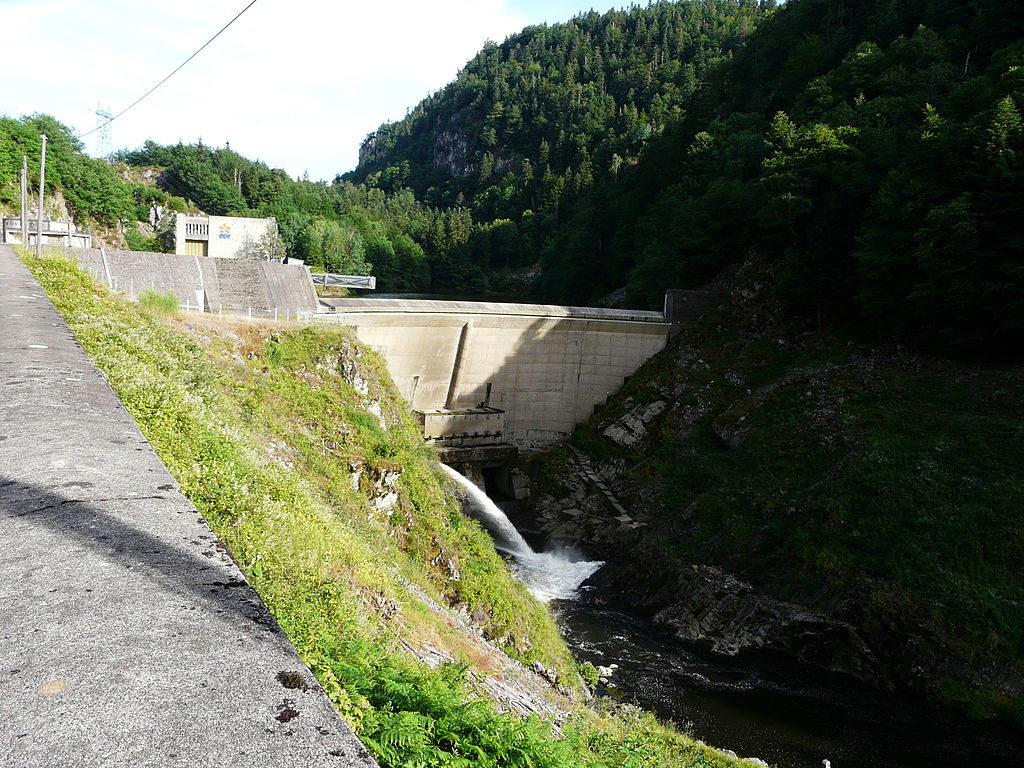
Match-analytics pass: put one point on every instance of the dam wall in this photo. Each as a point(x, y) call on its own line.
point(547, 366)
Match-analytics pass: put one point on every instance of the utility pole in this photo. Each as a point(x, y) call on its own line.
point(42, 188)
point(24, 201)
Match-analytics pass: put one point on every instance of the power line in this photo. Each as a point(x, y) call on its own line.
point(186, 61)
point(175, 186)
point(178, 187)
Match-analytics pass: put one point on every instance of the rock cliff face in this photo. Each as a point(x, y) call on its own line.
point(368, 149)
point(451, 152)
point(763, 484)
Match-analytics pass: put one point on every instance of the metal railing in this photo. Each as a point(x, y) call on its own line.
point(366, 282)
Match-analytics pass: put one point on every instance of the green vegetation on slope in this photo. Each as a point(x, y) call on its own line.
point(873, 483)
point(90, 187)
point(264, 428)
point(95, 194)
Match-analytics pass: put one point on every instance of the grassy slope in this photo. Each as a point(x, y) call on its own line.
point(807, 459)
point(262, 427)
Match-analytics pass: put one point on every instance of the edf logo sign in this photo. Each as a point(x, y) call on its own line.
point(225, 232)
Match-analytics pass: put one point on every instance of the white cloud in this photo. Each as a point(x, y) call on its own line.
point(297, 84)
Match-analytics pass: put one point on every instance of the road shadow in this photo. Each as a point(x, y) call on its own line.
point(159, 538)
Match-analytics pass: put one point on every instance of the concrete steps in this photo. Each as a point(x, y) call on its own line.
point(242, 286)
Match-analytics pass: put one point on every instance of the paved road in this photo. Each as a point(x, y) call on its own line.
point(128, 637)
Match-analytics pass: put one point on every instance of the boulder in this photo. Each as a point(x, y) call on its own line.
point(631, 427)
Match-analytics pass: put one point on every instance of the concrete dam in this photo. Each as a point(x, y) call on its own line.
point(482, 373)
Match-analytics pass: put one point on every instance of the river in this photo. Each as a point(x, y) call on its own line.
point(769, 706)
point(763, 705)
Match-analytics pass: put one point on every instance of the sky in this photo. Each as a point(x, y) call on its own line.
point(297, 84)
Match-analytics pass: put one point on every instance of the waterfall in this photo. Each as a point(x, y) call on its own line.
point(550, 575)
point(506, 537)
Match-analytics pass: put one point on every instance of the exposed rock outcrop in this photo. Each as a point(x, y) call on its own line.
point(451, 152)
point(707, 605)
point(630, 428)
point(379, 483)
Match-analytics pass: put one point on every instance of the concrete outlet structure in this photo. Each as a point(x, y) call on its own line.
point(547, 366)
point(466, 427)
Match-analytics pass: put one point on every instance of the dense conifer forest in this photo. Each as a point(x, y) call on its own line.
point(872, 148)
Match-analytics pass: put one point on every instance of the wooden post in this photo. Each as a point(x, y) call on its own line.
point(42, 188)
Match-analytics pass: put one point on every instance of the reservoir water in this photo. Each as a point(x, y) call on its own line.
point(762, 705)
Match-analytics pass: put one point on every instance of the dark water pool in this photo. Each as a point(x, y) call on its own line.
point(767, 705)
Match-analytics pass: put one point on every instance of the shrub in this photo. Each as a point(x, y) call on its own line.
point(157, 303)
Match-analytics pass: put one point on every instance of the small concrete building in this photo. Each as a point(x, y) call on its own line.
point(54, 233)
point(226, 237)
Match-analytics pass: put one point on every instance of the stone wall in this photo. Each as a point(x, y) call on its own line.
point(233, 285)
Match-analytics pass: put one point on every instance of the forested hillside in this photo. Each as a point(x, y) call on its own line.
point(338, 227)
point(484, 170)
point(549, 118)
point(93, 191)
point(872, 148)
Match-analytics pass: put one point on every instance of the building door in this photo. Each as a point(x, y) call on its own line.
point(197, 248)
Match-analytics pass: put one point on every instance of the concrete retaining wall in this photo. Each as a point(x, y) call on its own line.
point(233, 284)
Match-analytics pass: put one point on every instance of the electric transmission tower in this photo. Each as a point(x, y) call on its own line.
point(104, 142)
